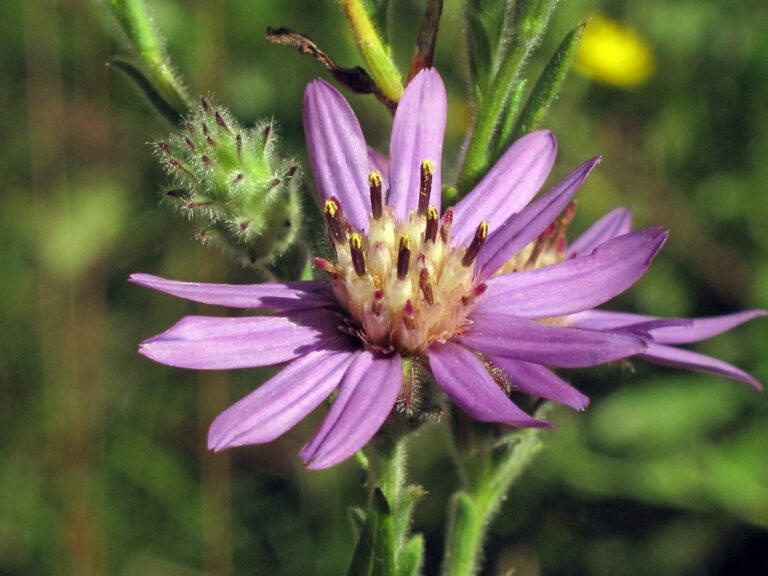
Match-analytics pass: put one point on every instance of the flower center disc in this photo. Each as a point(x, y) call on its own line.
point(402, 284)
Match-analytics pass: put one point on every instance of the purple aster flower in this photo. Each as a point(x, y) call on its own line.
point(488, 283)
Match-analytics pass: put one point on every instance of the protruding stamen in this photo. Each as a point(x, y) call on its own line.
point(374, 180)
point(324, 265)
point(426, 287)
point(432, 224)
point(425, 189)
point(206, 106)
point(408, 312)
point(569, 213)
point(477, 242)
point(541, 243)
point(561, 246)
point(476, 292)
point(404, 257)
point(378, 301)
point(356, 251)
point(335, 219)
point(445, 229)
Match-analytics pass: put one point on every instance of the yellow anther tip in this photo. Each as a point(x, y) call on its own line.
point(354, 240)
point(428, 166)
point(432, 213)
point(330, 207)
point(375, 179)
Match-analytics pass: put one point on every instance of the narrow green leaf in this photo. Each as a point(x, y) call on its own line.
point(357, 518)
point(403, 509)
point(480, 55)
point(501, 140)
point(484, 24)
point(450, 195)
point(362, 558)
point(548, 85)
point(531, 20)
point(411, 557)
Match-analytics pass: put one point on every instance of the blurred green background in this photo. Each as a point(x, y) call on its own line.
point(103, 468)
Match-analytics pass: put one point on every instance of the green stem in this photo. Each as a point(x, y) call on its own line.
point(488, 481)
point(137, 22)
point(384, 547)
point(387, 471)
point(374, 52)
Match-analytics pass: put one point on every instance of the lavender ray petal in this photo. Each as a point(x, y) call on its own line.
point(208, 343)
point(675, 331)
point(577, 284)
point(367, 394)
point(466, 381)
point(536, 379)
point(703, 328)
point(522, 339)
point(508, 187)
point(417, 135)
point(282, 296)
point(379, 163)
point(337, 151)
point(679, 358)
point(280, 403)
point(523, 227)
point(606, 320)
point(616, 223)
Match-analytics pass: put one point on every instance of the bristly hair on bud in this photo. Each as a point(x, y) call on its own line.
point(234, 183)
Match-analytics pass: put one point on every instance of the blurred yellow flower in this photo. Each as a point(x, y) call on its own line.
point(614, 54)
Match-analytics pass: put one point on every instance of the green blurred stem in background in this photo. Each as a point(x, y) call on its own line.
point(136, 20)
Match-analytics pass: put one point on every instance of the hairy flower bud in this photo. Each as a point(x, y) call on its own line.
point(234, 183)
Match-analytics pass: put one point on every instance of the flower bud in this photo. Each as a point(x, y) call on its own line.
point(234, 184)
